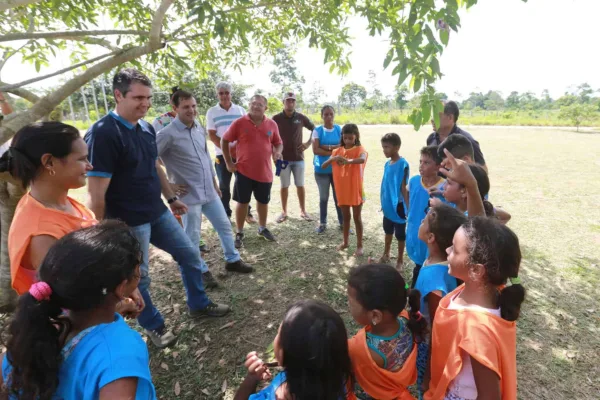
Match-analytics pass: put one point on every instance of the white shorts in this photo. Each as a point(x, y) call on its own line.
point(296, 168)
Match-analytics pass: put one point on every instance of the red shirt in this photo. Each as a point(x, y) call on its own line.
point(254, 147)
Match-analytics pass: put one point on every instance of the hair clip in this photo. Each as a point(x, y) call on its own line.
point(515, 281)
point(419, 315)
point(406, 286)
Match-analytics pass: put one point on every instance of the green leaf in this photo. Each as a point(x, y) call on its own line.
point(438, 108)
point(388, 58)
point(435, 66)
point(38, 65)
point(444, 36)
point(426, 112)
point(415, 83)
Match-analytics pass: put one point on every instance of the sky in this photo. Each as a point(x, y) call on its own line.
point(503, 45)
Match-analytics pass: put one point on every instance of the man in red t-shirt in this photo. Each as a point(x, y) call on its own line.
point(258, 142)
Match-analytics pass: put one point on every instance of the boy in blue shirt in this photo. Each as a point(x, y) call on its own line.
point(419, 188)
point(394, 197)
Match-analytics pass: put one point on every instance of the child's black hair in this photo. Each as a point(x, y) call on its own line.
point(350, 129)
point(432, 152)
point(497, 248)
point(444, 221)
point(483, 185)
point(381, 287)
point(24, 157)
point(82, 268)
point(325, 107)
point(458, 145)
point(392, 138)
point(314, 342)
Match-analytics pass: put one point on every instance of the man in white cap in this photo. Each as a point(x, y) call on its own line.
point(290, 123)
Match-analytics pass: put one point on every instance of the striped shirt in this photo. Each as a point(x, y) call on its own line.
point(219, 119)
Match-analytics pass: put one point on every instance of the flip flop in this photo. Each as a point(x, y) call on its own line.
point(281, 218)
point(307, 217)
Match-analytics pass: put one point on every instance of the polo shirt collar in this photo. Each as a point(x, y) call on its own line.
point(127, 124)
point(454, 130)
point(247, 117)
point(221, 107)
point(181, 126)
point(291, 116)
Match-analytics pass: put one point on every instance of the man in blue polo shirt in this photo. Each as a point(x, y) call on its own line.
point(127, 183)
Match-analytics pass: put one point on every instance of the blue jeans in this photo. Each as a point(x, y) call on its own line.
point(214, 211)
point(324, 181)
point(166, 234)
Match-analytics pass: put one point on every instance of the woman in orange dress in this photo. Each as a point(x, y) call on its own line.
point(349, 161)
point(49, 158)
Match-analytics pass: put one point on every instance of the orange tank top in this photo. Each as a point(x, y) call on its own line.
point(33, 219)
point(380, 383)
point(489, 339)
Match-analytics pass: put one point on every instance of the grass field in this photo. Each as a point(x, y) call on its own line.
point(547, 179)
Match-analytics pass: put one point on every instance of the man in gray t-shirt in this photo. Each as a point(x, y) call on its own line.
point(183, 148)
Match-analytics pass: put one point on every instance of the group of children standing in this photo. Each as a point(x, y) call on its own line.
point(452, 331)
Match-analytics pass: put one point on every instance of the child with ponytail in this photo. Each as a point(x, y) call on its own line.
point(476, 323)
point(384, 352)
point(88, 352)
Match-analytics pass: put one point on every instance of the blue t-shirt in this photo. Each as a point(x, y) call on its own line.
point(393, 176)
point(431, 278)
point(127, 154)
point(419, 200)
point(268, 393)
point(326, 138)
point(107, 353)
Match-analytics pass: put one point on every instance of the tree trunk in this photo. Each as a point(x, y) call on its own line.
point(10, 194)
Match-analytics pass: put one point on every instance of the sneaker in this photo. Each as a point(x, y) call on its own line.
point(209, 280)
point(321, 229)
point(211, 310)
point(250, 219)
point(239, 266)
point(267, 235)
point(239, 240)
point(204, 247)
point(161, 337)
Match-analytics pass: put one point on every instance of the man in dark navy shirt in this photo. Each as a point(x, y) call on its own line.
point(448, 127)
point(126, 184)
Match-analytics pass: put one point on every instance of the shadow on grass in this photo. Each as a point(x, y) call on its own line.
point(300, 265)
point(558, 329)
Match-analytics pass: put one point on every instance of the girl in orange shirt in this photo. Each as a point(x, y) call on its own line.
point(348, 163)
point(384, 352)
point(473, 348)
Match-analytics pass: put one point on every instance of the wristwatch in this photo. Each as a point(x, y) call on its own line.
point(172, 200)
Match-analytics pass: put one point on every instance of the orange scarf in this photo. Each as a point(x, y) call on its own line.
point(487, 338)
point(380, 383)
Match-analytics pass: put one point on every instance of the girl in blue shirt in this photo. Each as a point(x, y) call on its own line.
point(66, 339)
point(312, 348)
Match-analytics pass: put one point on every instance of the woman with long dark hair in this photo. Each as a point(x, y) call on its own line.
point(88, 352)
point(49, 158)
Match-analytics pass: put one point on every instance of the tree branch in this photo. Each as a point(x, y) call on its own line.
point(24, 93)
point(230, 10)
point(46, 104)
point(59, 72)
point(8, 4)
point(9, 37)
point(159, 17)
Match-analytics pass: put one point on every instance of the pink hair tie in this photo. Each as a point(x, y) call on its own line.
point(40, 291)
